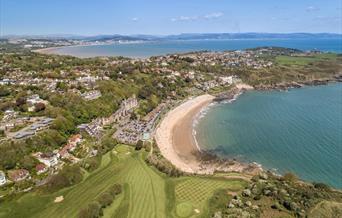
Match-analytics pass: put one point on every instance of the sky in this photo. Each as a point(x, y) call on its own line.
point(164, 17)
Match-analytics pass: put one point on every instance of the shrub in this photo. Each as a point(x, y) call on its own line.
point(276, 206)
point(39, 107)
point(91, 163)
point(290, 177)
point(257, 197)
point(115, 189)
point(93, 210)
point(147, 147)
point(139, 145)
point(68, 176)
point(105, 199)
point(321, 186)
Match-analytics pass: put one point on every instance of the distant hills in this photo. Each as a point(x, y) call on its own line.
point(253, 36)
point(185, 36)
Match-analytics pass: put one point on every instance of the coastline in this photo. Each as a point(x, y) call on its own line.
point(176, 140)
point(174, 135)
point(52, 50)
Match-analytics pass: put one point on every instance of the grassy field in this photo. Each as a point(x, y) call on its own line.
point(194, 192)
point(301, 61)
point(147, 192)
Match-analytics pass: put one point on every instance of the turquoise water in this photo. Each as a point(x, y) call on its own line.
point(147, 49)
point(298, 131)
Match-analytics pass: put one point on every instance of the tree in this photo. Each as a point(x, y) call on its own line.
point(105, 199)
point(28, 162)
point(4, 91)
point(139, 145)
point(290, 177)
point(68, 176)
point(321, 186)
point(20, 101)
point(93, 210)
point(115, 189)
point(108, 142)
point(39, 107)
point(61, 86)
point(2, 133)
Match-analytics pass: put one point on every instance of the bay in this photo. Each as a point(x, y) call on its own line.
point(297, 131)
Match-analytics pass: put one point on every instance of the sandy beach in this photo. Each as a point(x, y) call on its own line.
point(174, 135)
point(176, 141)
point(45, 50)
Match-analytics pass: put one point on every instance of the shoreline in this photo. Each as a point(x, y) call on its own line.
point(176, 138)
point(52, 50)
point(198, 161)
point(174, 135)
point(49, 50)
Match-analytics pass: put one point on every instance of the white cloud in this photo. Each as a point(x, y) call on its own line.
point(213, 15)
point(185, 18)
point(210, 16)
point(135, 19)
point(311, 9)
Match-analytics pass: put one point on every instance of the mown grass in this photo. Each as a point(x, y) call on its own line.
point(198, 190)
point(147, 192)
point(301, 61)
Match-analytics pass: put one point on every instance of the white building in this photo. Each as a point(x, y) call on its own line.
point(225, 80)
point(92, 95)
point(49, 159)
point(2, 178)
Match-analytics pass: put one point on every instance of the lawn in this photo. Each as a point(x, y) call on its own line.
point(147, 192)
point(195, 192)
point(302, 61)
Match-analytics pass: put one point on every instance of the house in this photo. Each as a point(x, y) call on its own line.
point(23, 134)
point(63, 153)
point(33, 100)
point(93, 129)
point(75, 139)
point(225, 80)
point(18, 175)
point(92, 95)
point(49, 159)
point(41, 168)
point(2, 178)
point(9, 114)
point(46, 121)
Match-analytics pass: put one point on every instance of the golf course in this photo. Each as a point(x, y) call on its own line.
point(146, 192)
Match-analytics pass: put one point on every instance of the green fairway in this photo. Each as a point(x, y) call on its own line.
point(147, 192)
point(196, 190)
point(301, 61)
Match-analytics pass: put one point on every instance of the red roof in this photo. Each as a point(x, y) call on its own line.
point(41, 167)
point(17, 175)
point(63, 151)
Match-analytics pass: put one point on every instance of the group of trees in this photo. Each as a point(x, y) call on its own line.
point(68, 176)
point(95, 208)
point(162, 164)
point(269, 194)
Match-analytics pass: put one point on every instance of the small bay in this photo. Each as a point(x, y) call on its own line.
point(297, 131)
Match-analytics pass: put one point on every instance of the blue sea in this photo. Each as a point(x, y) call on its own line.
point(297, 131)
point(147, 49)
